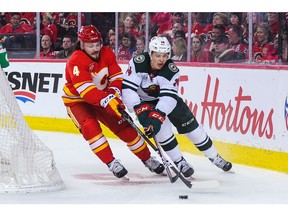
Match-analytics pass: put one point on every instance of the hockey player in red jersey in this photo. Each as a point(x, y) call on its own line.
point(92, 93)
point(150, 89)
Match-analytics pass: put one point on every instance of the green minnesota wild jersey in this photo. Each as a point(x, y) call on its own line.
point(141, 83)
point(3, 58)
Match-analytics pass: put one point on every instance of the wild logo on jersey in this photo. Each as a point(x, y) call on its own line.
point(152, 90)
point(139, 58)
point(173, 67)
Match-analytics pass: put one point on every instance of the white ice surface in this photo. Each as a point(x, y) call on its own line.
point(88, 181)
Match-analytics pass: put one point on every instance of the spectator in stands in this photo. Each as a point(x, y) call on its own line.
point(47, 48)
point(127, 47)
point(235, 19)
point(140, 46)
point(110, 32)
point(177, 17)
point(283, 53)
point(218, 18)
point(217, 30)
point(129, 26)
point(176, 27)
point(256, 20)
point(3, 21)
point(179, 49)
point(162, 21)
point(142, 25)
point(14, 26)
point(235, 36)
point(27, 17)
point(197, 24)
point(197, 54)
point(179, 33)
point(273, 22)
point(62, 25)
point(112, 39)
point(263, 50)
point(225, 54)
point(72, 23)
point(68, 44)
point(47, 21)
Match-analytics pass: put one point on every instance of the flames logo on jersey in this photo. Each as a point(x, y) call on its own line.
point(258, 56)
point(286, 112)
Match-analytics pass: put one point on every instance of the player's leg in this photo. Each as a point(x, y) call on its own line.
point(83, 116)
point(169, 143)
point(135, 142)
point(203, 142)
point(187, 124)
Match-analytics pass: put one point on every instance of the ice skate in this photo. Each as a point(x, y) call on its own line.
point(185, 167)
point(221, 163)
point(117, 168)
point(154, 166)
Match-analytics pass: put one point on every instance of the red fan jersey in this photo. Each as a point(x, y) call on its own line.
point(265, 53)
point(87, 79)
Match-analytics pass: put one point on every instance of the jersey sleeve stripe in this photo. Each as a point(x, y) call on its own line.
point(84, 86)
point(130, 85)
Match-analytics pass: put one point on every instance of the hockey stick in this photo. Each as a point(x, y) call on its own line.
point(200, 184)
point(179, 174)
point(166, 163)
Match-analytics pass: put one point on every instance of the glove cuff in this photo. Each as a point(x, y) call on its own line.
point(141, 108)
point(105, 101)
point(117, 91)
point(157, 114)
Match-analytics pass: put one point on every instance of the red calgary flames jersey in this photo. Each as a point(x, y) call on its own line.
point(87, 80)
point(264, 53)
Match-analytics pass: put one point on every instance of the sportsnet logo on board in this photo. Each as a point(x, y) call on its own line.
point(286, 112)
point(25, 96)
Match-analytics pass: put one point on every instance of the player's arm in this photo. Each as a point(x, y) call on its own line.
point(131, 83)
point(115, 77)
point(168, 94)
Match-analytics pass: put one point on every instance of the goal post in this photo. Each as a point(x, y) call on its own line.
point(26, 163)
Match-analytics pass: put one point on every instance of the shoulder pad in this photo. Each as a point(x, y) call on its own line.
point(139, 59)
point(169, 70)
point(142, 62)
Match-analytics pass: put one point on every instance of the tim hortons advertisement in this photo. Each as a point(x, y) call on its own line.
point(247, 106)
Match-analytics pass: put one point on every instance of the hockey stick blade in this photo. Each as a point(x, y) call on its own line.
point(169, 174)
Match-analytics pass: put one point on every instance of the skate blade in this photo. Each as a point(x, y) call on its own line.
point(230, 171)
point(125, 178)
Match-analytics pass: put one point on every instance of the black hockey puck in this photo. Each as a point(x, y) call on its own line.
point(183, 197)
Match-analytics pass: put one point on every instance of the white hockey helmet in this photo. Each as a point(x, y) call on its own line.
point(159, 44)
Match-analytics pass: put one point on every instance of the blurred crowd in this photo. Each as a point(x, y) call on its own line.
point(195, 37)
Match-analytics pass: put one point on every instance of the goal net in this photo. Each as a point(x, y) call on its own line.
point(26, 164)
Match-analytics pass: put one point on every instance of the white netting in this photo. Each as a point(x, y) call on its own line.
point(26, 164)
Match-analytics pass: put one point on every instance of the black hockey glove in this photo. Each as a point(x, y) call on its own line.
point(154, 122)
point(142, 111)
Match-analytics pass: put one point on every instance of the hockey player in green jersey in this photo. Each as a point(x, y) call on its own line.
point(3, 55)
point(150, 89)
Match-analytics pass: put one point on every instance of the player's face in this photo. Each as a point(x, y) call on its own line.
point(92, 49)
point(158, 60)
